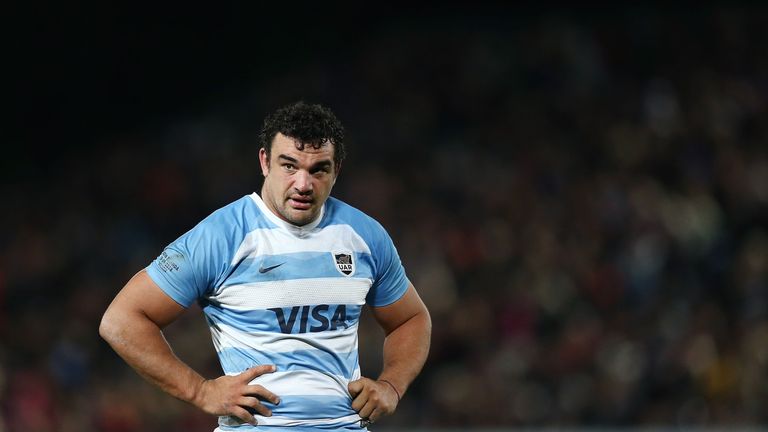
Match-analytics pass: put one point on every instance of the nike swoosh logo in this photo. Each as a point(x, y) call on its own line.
point(266, 269)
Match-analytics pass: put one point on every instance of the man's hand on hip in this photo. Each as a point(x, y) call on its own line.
point(372, 399)
point(232, 395)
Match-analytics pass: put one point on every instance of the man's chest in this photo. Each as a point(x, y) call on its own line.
point(275, 255)
point(298, 292)
point(300, 285)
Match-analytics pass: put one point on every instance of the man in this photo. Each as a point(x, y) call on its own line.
point(281, 278)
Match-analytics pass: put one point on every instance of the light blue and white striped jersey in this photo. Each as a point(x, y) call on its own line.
point(275, 293)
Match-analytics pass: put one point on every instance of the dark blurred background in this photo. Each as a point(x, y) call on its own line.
point(579, 194)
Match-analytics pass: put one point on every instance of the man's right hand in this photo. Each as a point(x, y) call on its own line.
point(231, 395)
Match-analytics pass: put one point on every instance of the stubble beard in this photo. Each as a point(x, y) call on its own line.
point(298, 217)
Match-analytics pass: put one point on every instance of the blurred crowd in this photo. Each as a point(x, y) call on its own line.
point(580, 200)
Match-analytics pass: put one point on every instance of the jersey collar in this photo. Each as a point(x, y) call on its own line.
point(299, 231)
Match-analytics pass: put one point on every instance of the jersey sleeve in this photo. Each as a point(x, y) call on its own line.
point(390, 282)
point(192, 265)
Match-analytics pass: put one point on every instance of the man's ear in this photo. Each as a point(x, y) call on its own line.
point(264, 161)
point(337, 168)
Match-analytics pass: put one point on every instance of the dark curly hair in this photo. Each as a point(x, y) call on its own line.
point(308, 124)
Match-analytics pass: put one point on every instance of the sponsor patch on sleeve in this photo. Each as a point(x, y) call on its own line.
point(169, 263)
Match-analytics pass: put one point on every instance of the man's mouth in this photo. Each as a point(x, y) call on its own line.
point(300, 203)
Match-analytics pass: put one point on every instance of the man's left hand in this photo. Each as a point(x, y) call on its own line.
point(372, 399)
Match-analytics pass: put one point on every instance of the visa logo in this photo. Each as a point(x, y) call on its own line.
point(311, 318)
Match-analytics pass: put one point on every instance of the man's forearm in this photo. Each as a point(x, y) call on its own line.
point(132, 325)
point(405, 351)
point(142, 345)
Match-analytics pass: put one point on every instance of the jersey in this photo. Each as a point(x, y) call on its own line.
point(276, 293)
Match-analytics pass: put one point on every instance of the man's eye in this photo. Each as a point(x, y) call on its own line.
point(289, 167)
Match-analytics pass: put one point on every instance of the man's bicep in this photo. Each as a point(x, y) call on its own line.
point(394, 315)
point(141, 295)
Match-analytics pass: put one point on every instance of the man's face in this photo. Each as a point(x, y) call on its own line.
point(297, 182)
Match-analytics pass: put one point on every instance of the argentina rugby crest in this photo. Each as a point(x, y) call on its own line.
point(345, 262)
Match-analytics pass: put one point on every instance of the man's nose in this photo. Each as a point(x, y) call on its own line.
point(303, 182)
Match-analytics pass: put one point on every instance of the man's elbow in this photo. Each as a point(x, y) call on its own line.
point(427, 321)
point(105, 327)
point(108, 327)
